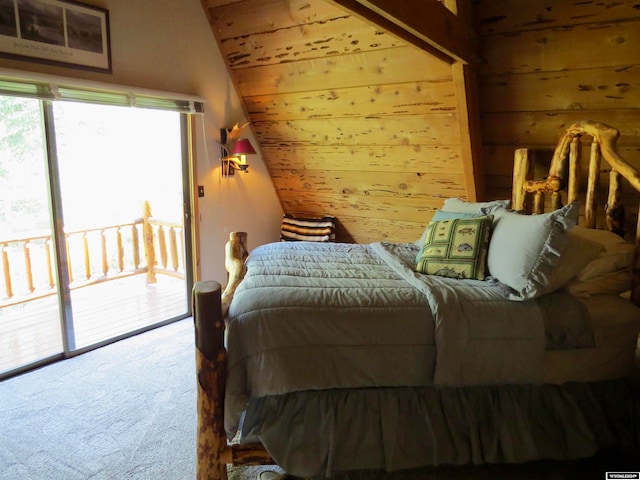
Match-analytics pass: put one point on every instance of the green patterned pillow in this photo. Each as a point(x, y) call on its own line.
point(456, 248)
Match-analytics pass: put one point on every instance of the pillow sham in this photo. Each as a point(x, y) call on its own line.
point(462, 206)
point(617, 253)
point(458, 208)
point(307, 229)
point(456, 248)
point(613, 283)
point(440, 215)
point(525, 249)
point(577, 255)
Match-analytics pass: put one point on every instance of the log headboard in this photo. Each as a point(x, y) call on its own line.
point(564, 183)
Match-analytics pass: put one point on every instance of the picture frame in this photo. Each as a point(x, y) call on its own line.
point(60, 32)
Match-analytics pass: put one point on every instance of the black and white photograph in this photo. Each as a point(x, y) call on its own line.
point(8, 24)
point(55, 31)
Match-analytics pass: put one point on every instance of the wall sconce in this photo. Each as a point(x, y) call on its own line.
point(237, 158)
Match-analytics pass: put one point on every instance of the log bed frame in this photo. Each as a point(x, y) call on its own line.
point(210, 303)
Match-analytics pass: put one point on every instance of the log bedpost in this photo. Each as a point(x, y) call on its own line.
point(214, 451)
point(236, 254)
point(211, 365)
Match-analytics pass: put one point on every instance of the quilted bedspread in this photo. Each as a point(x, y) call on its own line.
point(314, 316)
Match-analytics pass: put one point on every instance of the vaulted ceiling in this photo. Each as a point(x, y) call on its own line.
point(365, 110)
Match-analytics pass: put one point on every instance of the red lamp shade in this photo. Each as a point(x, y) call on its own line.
point(243, 147)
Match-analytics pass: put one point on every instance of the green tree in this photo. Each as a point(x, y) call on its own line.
point(23, 187)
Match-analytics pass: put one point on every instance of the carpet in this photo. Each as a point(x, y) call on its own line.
point(124, 411)
point(127, 411)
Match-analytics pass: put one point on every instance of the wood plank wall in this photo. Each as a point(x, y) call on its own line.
point(351, 121)
point(547, 64)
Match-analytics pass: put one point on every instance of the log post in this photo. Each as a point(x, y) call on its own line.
point(69, 264)
point(120, 247)
point(211, 364)
point(147, 238)
point(590, 208)
point(162, 246)
point(173, 244)
point(87, 256)
point(538, 202)
point(614, 209)
point(47, 249)
point(235, 255)
point(521, 168)
point(7, 273)
point(26, 249)
point(573, 187)
point(635, 269)
point(103, 252)
point(135, 246)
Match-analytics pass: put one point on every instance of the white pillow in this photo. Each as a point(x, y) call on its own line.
point(617, 253)
point(462, 206)
point(524, 249)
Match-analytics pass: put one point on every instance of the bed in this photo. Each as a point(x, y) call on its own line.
point(515, 345)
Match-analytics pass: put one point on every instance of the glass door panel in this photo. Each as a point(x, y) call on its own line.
point(30, 326)
point(122, 201)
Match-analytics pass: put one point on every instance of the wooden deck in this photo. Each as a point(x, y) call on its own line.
point(32, 332)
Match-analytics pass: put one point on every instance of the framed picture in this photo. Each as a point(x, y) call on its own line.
point(56, 31)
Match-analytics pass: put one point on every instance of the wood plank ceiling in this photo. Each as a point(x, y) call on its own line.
point(352, 120)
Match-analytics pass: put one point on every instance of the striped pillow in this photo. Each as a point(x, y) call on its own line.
point(307, 229)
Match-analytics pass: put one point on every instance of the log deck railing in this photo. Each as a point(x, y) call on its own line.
point(93, 255)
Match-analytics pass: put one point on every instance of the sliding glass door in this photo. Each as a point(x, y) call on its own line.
point(93, 225)
point(30, 326)
point(118, 166)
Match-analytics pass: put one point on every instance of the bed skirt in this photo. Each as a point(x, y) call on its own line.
point(318, 434)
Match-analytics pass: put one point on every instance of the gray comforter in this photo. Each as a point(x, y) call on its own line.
point(317, 316)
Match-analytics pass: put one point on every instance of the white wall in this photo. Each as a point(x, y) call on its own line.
point(168, 45)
